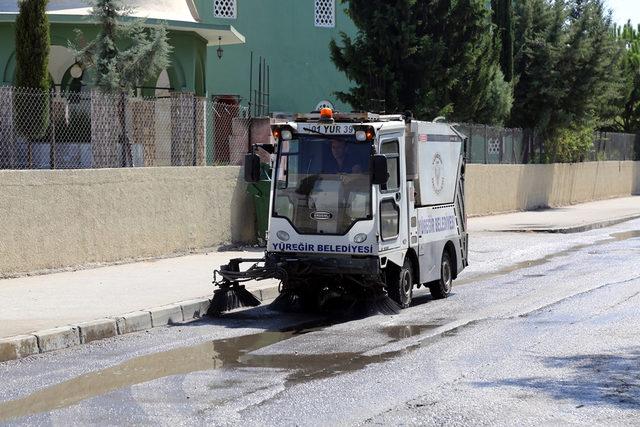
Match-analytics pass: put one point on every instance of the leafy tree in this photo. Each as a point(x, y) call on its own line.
point(567, 68)
point(503, 19)
point(629, 118)
point(417, 55)
point(590, 67)
point(125, 55)
point(31, 102)
point(119, 68)
point(539, 38)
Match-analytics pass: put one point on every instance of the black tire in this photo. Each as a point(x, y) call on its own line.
point(400, 284)
point(442, 288)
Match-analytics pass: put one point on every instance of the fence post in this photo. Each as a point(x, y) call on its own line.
point(195, 131)
point(52, 123)
point(469, 148)
point(127, 158)
point(201, 132)
point(52, 146)
point(486, 144)
point(513, 147)
point(501, 143)
point(181, 127)
point(7, 135)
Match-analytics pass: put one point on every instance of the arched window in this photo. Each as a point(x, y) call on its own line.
point(162, 85)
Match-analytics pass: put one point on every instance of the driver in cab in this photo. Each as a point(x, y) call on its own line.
point(339, 161)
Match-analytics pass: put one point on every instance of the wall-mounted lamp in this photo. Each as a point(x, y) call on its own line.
point(76, 71)
point(219, 51)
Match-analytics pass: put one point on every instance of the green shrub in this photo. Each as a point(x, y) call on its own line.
point(570, 145)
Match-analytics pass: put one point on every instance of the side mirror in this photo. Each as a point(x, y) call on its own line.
point(379, 169)
point(251, 167)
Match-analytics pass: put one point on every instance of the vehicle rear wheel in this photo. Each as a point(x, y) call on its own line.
point(442, 288)
point(400, 284)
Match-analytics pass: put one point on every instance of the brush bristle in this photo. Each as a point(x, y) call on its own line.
point(287, 302)
point(372, 306)
point(226, 299)
point(247, 299)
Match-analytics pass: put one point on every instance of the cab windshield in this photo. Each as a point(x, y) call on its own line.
point(323, 183)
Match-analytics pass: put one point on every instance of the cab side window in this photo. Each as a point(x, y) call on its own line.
point(391, 150)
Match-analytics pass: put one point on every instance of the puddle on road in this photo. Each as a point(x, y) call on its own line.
point(207, 356)
point(614, 237)
point(400, 332)
point(231, 353)
point(625, 235)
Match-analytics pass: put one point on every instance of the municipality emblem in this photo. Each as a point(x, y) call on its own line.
point(437, 177)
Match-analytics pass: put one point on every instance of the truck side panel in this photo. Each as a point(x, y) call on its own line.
point(436, 227)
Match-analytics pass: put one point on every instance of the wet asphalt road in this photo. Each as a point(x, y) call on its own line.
point(541, 329)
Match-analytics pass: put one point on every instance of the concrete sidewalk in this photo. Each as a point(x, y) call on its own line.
point(96, 303)
point(114, 300)
point(568, 219)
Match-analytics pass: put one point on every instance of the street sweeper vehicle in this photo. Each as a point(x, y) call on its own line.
point(364, 208)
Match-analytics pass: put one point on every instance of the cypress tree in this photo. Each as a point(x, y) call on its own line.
point(629, 117)
point(502, 14)
point(539, 37)
point(31, 103)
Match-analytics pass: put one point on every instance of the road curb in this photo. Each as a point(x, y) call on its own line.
point(574, 229)
point(166, 315)
point(97, 330)
point(44, 341)
point(58, 338)
point(18, 347)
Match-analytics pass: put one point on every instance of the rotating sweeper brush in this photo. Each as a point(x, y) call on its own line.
point(349, 301)
point(230, 293)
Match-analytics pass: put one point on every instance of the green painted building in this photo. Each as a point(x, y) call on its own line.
point(292, 36)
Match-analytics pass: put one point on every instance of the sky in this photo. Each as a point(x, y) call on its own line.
point(624, 10)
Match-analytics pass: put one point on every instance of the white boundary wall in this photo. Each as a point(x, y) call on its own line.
point(494, 189)
point(71, 218)
point(63, 218)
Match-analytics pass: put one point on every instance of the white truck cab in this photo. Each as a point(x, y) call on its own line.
point(363, 204)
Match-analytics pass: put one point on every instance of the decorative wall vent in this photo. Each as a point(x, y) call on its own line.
point(325, 13)
point(494, 145)
point(224, 9)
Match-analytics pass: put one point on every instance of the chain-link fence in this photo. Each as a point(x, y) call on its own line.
point(615, 146)
point(90, 129)
point(495, 145)
point(227, 132)
point(487, 144)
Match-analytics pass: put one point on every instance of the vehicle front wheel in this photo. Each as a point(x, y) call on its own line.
point(400, 284)
point(442, 288)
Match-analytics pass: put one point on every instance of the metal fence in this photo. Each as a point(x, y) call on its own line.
point(496, 145)
point(615, 146)
point(487, 144)
point(90, 129)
